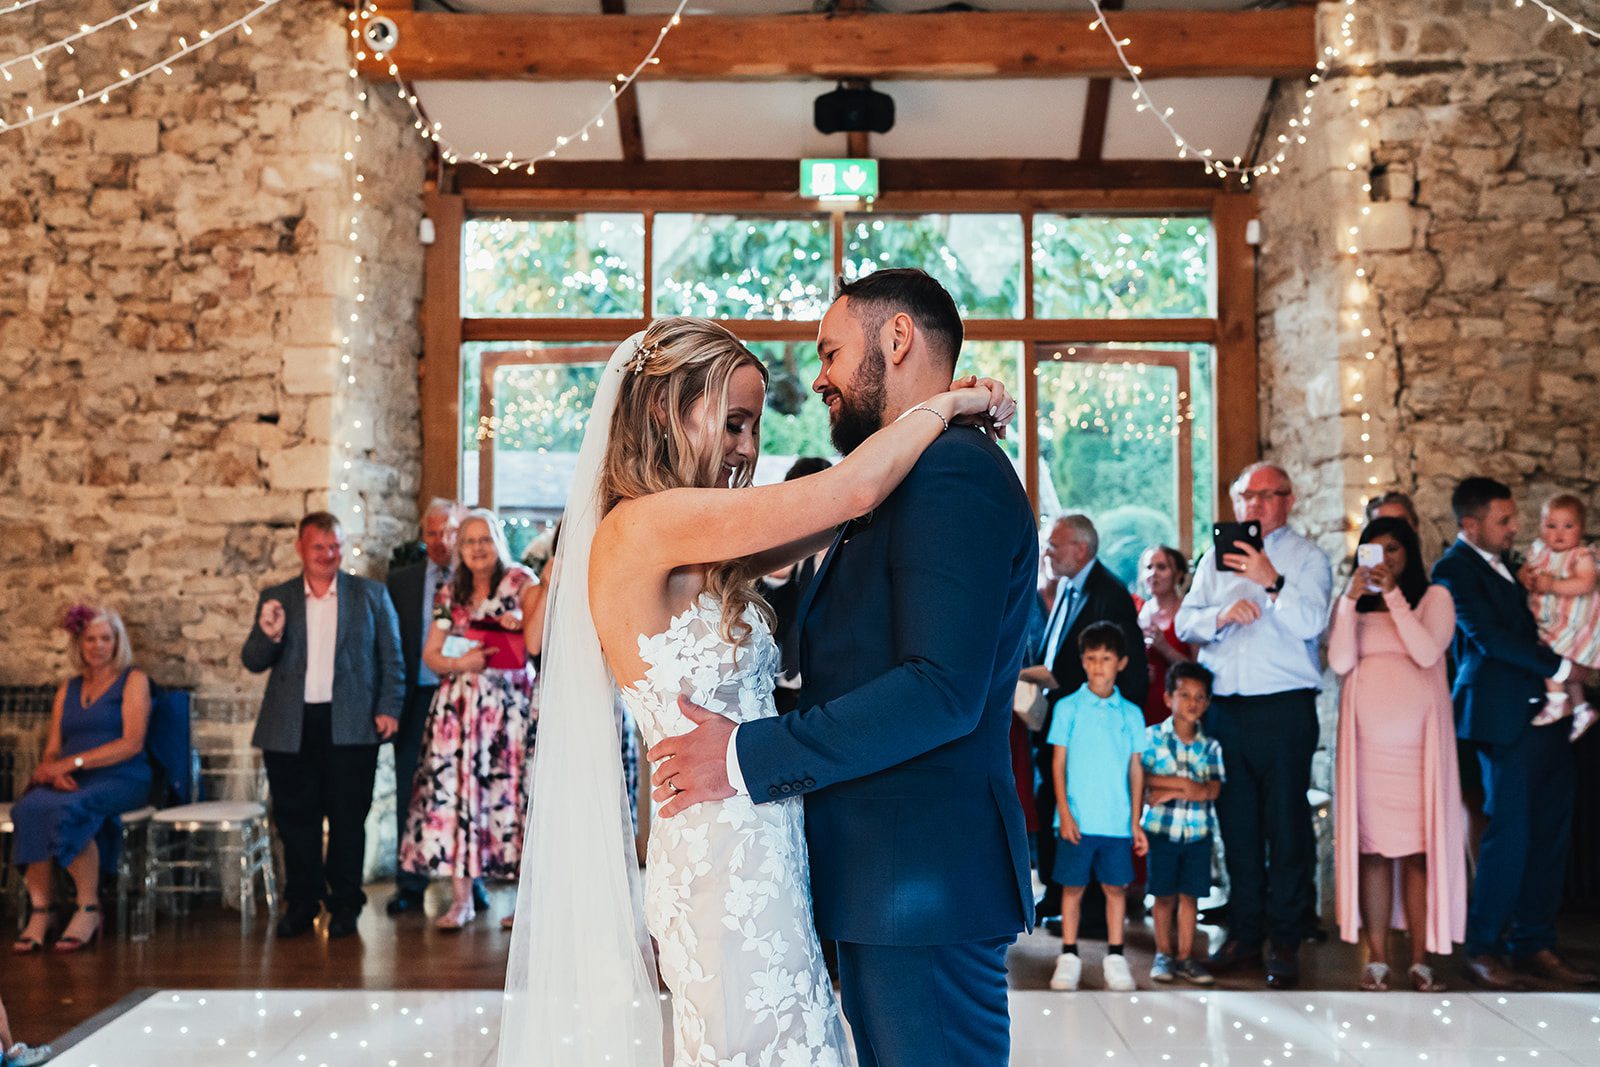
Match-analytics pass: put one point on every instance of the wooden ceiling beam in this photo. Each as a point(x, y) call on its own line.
point(630, 131)
point(1096, 109)
point(1275, 43)
point(895, 176)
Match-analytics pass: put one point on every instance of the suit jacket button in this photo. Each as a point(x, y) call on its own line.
point(809, 782)
point(772, 791)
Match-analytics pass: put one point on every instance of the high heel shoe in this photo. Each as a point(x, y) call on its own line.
point(66, 943)
point(25, 945)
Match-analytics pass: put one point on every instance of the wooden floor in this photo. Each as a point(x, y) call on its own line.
point(47, 995)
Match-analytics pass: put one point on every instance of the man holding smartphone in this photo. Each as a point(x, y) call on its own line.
point(1255, 615)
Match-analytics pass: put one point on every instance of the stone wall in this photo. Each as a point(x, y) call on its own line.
point(1479, 245)
point(176, 283)
point(1476, 194)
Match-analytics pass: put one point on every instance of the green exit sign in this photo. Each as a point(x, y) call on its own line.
point(839, 179)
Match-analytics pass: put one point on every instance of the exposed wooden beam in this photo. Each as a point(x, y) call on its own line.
point(954, 44)
point(1062, 331)
point(1096, 108)
point(528, 202)
point(629, 129)
point(895, 176)
point(1238, 420)
point(440, 370)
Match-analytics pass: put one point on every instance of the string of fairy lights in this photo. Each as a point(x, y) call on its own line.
point(434, 131)
point(1551, 14)
point(349, 426)
point(38, 58)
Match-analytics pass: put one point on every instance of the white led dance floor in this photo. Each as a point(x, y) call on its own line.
point(1181, 1028)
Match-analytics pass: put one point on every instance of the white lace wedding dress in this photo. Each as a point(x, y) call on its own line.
point(727, 884)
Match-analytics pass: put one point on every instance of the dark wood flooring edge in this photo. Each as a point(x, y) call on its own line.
point(101, 1019)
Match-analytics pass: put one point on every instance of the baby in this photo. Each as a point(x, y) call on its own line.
point(1561, 576)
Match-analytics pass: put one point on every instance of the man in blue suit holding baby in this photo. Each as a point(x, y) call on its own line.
point(1501, 669)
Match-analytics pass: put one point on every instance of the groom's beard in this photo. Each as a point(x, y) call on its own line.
point(861, 409)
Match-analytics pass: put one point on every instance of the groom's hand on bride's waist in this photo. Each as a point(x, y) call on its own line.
point(692, 768)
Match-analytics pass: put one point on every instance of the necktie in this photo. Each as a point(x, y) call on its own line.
point(1062, 621)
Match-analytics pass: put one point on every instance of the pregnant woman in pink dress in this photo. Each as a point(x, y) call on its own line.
point(1398, 794)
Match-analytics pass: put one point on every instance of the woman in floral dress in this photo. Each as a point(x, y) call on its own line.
point(470, 793)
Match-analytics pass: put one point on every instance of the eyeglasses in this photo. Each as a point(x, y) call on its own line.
point(1261, 496)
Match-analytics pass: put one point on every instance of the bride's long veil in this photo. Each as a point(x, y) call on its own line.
point(580, 983)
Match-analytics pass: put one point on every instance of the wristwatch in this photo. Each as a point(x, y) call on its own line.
point(1276, 587)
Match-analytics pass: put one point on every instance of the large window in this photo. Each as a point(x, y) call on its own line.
point(1105, 325)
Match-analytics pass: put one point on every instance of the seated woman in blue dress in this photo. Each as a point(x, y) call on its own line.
point(94, 769)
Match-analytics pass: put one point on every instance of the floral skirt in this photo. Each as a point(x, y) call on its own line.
point(469, 799)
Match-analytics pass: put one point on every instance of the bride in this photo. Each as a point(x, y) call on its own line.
point(655, 592)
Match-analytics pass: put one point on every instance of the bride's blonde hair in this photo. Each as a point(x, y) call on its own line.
point(678, 361)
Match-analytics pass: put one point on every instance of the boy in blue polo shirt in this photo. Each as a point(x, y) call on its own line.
point(1183, 772)
point(1097, 736)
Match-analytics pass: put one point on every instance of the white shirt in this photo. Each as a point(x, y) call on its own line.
point(322, 637)
point(1278, 652)
point(1490, 558)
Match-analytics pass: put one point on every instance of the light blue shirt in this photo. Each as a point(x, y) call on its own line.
point(1102, 735)
point(1278, 652)
point(432, 579)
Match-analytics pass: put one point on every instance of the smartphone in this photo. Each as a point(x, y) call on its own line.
point(1226, 536)
point(1369, 555)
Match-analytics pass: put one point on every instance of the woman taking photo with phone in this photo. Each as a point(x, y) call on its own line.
point(1396, 724)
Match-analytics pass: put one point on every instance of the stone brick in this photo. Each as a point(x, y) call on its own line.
point(131, 137)
point(310, 370)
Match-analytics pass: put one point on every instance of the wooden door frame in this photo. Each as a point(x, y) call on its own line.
point(1042, 352)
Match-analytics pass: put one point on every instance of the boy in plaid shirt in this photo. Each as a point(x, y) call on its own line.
point(1182, 776)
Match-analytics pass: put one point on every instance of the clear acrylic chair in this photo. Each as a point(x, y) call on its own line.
point(218, 846)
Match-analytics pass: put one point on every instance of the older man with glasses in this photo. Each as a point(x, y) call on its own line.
point(1255, 617)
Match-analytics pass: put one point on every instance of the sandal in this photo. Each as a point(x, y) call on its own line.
point(1375, 978)
point(454, 920)
point(509, 921)
point(72, 942)
point(25, 945)
point(1423, 981)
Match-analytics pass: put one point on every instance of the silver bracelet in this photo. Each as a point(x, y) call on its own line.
point(930, 411)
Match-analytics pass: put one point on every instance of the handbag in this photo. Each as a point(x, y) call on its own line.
point(505, 650)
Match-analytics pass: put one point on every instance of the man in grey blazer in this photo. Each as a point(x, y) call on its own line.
point(332, 643)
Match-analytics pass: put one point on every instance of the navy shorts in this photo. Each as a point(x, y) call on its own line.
point(1179, 867)
point(1108, 859)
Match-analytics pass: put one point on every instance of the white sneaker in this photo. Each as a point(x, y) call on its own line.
point(1069, 968)
point(1119, 978)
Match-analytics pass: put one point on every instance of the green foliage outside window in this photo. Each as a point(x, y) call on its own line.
point(1121, 467)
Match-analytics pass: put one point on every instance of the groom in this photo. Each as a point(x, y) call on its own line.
point(911, 637)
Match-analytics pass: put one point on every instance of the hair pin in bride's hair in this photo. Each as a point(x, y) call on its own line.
point(640, 354)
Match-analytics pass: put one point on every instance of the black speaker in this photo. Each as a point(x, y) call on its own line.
point(848, 110)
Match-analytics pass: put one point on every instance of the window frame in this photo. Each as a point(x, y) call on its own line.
point(1231, 331)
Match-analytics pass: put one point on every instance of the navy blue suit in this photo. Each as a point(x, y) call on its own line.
point(912, 634)
point(1527, 770)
